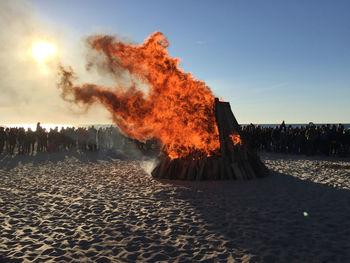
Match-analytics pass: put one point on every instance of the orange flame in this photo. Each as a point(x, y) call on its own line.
point(236, 139)
point(178, 109)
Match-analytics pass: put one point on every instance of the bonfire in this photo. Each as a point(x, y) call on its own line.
point(199, 134)
point(234, 161)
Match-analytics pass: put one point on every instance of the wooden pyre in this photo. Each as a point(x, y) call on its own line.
point(233, 162)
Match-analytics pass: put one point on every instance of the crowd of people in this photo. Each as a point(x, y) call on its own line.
point(17, 140)
point(329, 140)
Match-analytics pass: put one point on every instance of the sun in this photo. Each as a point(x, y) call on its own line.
point(42, 51)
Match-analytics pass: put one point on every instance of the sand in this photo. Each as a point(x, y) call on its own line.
point(96, 208)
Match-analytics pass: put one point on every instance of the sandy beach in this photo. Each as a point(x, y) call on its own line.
point(70, 207)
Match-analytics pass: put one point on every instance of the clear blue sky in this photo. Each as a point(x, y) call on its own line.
point(272, 60)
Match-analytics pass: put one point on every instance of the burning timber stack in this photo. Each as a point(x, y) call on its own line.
point(234, 162)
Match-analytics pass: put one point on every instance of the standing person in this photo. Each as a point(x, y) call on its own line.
point(283, 139)
point(115, 138)
point(109, 144)
point(311, 138)
point(82, 138)
point(12, 139)
point(30, 141)
point(21, 137)
point(7, 140)
point(2, 139)
point(333, 148)
point(347, 142)
point(324, 140)
point(42, 140)
point(74, 138)
point(275, 137)
point(299, 141)
point(50, 141)
point(100, 139)
point(290, 142)
point(38, 137)
point(92, 132)
point(341, 140)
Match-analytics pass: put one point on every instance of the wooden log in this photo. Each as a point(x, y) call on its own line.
point(165, 163)
point(201, 171)
point(248, 170)
point(223, 174)
point(242, 163)
point(227, 125)
point(155, 172)
point(184, 166)
point(192, 170)
point(236, 165)
point(216, 169)
point(257, 165)
point(230, 173)
point(168, 173)
point(239, 166)
point(237, 171)
point(209, 169)
point(244, 171)
point(177, 166)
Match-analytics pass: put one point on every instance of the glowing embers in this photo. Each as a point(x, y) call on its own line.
point(236, 139)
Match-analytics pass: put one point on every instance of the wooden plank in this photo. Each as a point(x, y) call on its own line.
point(216, 169)
point(201, 172)
point(165, 163)
point(237, 171)
point(223, 174)
point(183, 168)
point(192, 170)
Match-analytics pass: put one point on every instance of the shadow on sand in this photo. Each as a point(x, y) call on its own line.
point(279, 218)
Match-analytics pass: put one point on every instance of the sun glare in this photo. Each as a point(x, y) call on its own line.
point(42, 51)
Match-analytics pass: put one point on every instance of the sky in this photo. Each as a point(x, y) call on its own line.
point(272, 60)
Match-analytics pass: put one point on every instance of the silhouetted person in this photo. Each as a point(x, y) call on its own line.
point(42, 139)
point(333, 141)
point(21, 137)
point(82, 138)
point(311, 138)
point(2, 139)
point(50, 141)
point(92, 137)
point(101, 142)
point(324, 140)
point(299, 142)
point(30, 141)
point(7, 141)
point(12, 138)
point(283, 139)
point(283, 125)
point(275, 138)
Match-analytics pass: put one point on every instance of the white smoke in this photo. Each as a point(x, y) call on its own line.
point(149, 165)
point(29, 89)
